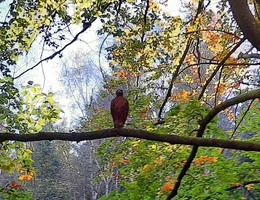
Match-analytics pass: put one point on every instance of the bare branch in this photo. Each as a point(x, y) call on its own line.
point(106, 133)
point(55, 53)
point(252, 55)
point(242, 118)
point(230, 102)
point(86, 25)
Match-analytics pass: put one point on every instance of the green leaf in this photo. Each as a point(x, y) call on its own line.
point(51, 100)
point(38, 127)
point(2, 117)
point(34, 112)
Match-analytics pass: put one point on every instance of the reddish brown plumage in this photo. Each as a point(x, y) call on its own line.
point(119, 109)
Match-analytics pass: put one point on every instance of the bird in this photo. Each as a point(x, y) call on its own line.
point(119, 109)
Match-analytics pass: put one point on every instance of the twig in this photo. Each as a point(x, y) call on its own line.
point(243, 184)
point(174, 76)
point(241, 119)
point(219, 66)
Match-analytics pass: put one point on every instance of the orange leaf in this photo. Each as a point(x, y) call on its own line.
point(18, 186)
point(236, 184)
point(22, 177)
point(167, 187)
point(125, 161)
point(13, 183)
point(236, 85)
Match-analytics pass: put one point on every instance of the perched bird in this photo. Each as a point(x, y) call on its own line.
point(119, 109)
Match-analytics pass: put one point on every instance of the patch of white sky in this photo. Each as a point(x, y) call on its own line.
point(48, 74)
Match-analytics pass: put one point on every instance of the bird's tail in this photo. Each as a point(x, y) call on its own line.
point(118, 124)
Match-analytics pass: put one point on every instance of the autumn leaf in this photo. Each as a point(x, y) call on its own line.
point(146, 167)
point(125, 161)
point(249, 186)
point(204, 159)
point(27, 176)
point(167, 187)
point(236, 184)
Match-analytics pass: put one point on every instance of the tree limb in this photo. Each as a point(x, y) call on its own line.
point(246, 21)
point(86, 25)
point(252, 55)
point(106, 133)
point(230, 102)
point(219, 66)
point(55, 53)
point(203, 124)
point(174, 76)
point(243, 184)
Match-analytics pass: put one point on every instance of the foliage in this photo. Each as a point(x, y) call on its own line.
point(10, 191)
point(148, 57)
point(22, 112)
point(175, 70)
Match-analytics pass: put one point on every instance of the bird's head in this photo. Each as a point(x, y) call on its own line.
point(119, 92)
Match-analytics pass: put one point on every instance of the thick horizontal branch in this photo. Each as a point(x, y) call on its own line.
point(106, 133)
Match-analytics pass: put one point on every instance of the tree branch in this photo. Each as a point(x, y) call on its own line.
point(246, 21)
point(106, 133)
point(174, 76)
point(243, 184)
point(203, 124)
point(55, 53)
point(252, 55)
point(230, 102)
point(219, 66)
point(86, 25)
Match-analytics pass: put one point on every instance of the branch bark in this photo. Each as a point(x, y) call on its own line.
point(252, 55)
point(106, 133)
point(55, 53)
point(246, 21)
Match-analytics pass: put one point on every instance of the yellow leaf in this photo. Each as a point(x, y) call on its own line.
point(38, 127)
point(47, 22)
point(146, 167)
point(127, 31)
point(249, 186)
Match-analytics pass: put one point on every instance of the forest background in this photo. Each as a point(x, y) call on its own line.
point(191, 78)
